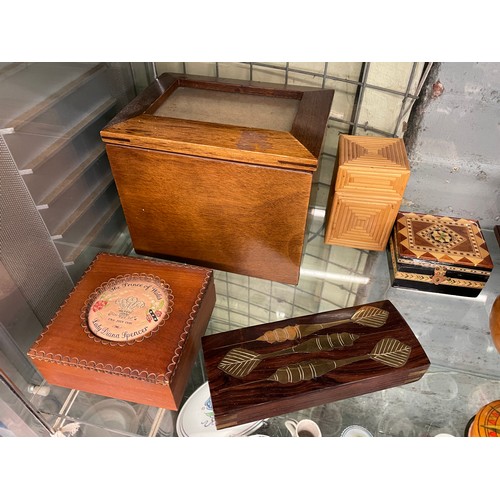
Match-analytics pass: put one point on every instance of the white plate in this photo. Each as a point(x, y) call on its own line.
point(108, 416)
point(196, 418)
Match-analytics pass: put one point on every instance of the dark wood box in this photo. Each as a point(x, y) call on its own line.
point(374, 342)
point(218, 172)
point(150, 368)
point(438, 254)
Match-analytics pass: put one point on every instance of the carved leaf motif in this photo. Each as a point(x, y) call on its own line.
point(306, 370)
point(391, 352)
point(370, 316)
point(388, 351)
point(239, 362)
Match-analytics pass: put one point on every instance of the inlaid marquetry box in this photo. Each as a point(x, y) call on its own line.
point(439, 254)
point(289, 365)
point(367, 188)
point(130, 329)
point(218, 172)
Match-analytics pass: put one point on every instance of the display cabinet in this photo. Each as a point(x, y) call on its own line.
point(463, 376)
point(58, 202)
point(50, 118)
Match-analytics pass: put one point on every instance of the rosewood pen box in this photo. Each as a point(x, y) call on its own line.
point(130, 329)
point(438, 254)
point(276, 368)
point(218, 172)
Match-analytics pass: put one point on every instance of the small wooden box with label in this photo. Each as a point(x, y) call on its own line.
point(366, 191)
point(130, 329)
point(439, 254)
point(218, 172)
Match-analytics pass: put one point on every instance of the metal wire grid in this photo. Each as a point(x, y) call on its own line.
point(26, 250)
point(324, 75)
point(407, 97)
point(244, 301)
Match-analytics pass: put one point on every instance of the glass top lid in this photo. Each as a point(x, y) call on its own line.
point(230, 108)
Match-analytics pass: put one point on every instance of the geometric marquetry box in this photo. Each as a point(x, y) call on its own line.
point(130, 329)
point(218, 172)
point(366, 192)
point(439, 254)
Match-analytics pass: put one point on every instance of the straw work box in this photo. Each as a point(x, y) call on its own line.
point(366, 191)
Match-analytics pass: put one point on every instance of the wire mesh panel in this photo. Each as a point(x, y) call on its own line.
point(26, 249)
point(370, 98)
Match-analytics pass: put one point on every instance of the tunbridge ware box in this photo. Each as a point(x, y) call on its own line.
point(438, 254)
point(289, 365)
point(218, 172)
point(130, 329)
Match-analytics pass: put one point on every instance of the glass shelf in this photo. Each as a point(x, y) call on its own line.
point(454, 331)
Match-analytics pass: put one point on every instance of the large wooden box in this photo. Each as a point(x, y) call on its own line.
point(219, 172)
point(366, 191)
point(438, 254)
point(252, 375)
point(130, 329)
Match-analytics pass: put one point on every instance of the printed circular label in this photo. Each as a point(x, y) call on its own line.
point(128, 308)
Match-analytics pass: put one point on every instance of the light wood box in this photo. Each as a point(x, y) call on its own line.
point(153, 370)
point(366, 191)
point(218, 172)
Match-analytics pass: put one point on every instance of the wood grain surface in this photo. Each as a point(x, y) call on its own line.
point(229, 197)
point(223, 215)
point(236, 401)
point(153, 371)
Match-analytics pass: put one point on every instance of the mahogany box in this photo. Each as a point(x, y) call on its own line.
point(130, 329)
point(439, 254)
point(272, 369)
point(218, 172)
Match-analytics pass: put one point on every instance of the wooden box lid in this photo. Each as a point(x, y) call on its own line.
point(441, 240)
point(254, 374)
point(365, 151)
point(130, 329)
point(260, 123)
point(374, 165)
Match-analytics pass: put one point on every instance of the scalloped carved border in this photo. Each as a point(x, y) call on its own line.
point(155, 378)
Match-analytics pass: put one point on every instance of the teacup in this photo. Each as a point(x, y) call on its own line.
point(356, 431)
point(303, 428)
